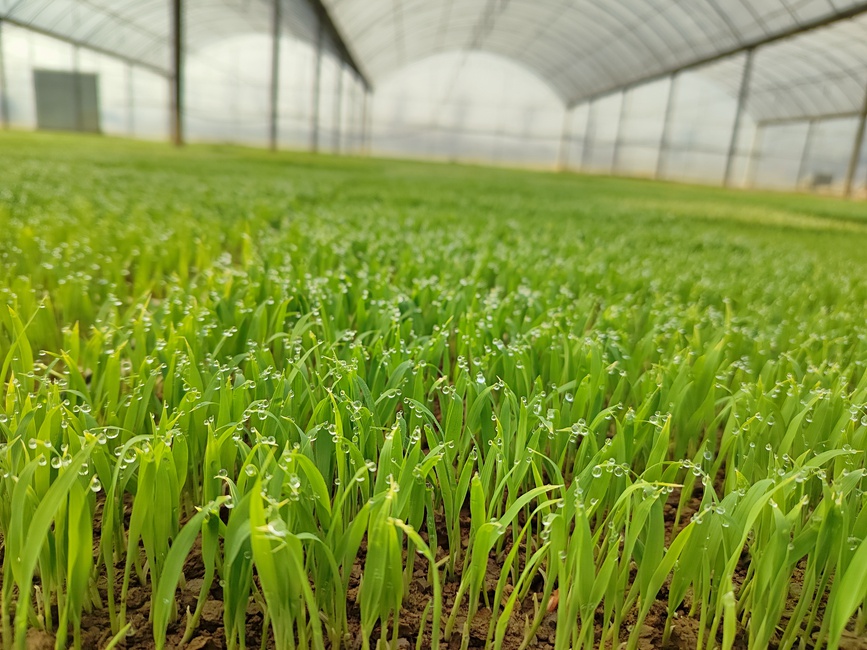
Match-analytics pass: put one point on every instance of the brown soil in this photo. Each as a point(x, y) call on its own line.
point(684, 635)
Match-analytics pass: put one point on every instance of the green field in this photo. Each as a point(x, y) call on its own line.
point(287, 401)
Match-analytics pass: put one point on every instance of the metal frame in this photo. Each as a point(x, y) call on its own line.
point(742, 47)
point(130, 109)
point(176, 43)
point(317, 83)
point(76, 88)
point(743, 96)
point(353, 119)
point(177, 77)
point(620, 44)
point(618, 138)
point(338, 109)
point(566, 139)
point(779, 121)
point(365, 133)
point(589, 136)
point(274, 126)
point(806, 151)
point(755, 155)
point(131, 13)
point(855, 158)
point(88, 46)
point(666, 126)
point(326, 23)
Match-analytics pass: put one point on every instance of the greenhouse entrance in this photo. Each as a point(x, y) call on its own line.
point(66, 101)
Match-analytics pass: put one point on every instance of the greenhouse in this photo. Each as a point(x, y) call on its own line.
point(442, 324)
point(765, 94)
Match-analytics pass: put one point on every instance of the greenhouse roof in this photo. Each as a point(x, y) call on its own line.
point(813, 64)
point(140, 31)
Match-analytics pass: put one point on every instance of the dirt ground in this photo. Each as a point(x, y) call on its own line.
point(96, 632)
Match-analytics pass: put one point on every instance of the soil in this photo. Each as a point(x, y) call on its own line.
point(96, 632)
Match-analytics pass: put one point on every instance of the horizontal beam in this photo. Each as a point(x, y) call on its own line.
point(88, 46)
point(342, 49)
point(847, 14)
point(779, 121)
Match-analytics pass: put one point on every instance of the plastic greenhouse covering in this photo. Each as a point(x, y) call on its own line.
point(744, 92)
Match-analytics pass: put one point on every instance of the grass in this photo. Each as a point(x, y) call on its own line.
point(314, 377)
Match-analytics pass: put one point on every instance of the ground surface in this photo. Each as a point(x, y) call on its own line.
point(615, 412)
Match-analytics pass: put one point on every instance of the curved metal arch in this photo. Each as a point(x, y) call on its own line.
point(139, 31)
point(501, 43)
point(364, 25)
point(593, 47)
point(782, 70)
point(791, 77)
point(560, 46)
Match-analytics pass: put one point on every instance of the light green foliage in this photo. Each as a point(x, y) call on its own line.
point(319, 379)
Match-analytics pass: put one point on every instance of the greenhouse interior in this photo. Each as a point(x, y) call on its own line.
point(766, 94)
point(433, 324)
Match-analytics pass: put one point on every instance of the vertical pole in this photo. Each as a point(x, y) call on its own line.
point(354, 112)
point(856, 149)
point(4, 105)
point(76, 89)
point(317, 82)
point(743, 96)
point(805, 153)
point(755, 154)
point(364, 122)
point(276, 19)
point(177, 89)
point(666, 127)
point(615, 158)
point(587, 124)
point(350, 113)
point(349, 137)
point(566, 139)
point(587, 153)
point(357, 100)
point(370, 126)
point(130, 102)
point(338, 109)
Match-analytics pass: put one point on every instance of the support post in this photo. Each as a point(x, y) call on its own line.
point(743, 96)
point(856, 149)
point(276, 21)
point(177, 81)
point(753, 167)
point(4, 105)
point(618, 138)
point(666, 127)
point(587, 152)
point(357, 99)
point(566, 140)
point(317, 82)
point(350, 116)
point(365, 126)
point(76, 89)
point(130, 102)
point(805, 152)
point(338, 109)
